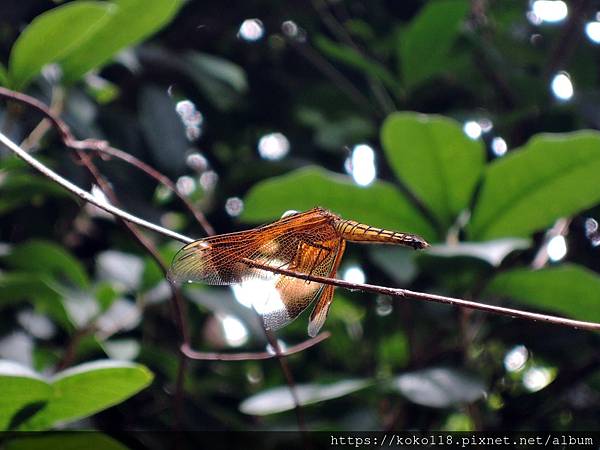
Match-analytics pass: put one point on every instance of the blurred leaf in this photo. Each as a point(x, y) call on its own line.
point(458, 422)
point(393, 350)
point(19, 189)
point(163, 129)
point(396, 263)
point(335, 133)
point(48, 257)
point(105, 294)
point(88, 388)
point(353, 58)
point(221, 81)
point(552, 176)
point(280, 399)
point(4, 79)
point(15, 286)
point(425, 46)
point(569, 289)
point(493, 252)
point(65, 441)
point(123, 269)
point(81, 306)
point(123, 315)
point(439, 387)
point(435, 159)
point(37, 288)
point(17, 346)
point(53, 35)
point(20, 387)
point(131, 22)
point(122, 349)
point(379, 205)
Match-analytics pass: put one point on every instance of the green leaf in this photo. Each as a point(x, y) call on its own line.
point(88, 388)
point(52, 36)
point(439, 387)
point(163, 129)
point(394, 350)
point(353, 58)
point(37, 288)
point(4, 79)
point(280, 399)
point(380, 204)
point(221, 81)
point(133, 21)
point(18, 188)
point(435, 159)
point(47, 257)
point(552, 176)
point(20, 387)
point(425, 46)
point(569, 289)
point(65, 441)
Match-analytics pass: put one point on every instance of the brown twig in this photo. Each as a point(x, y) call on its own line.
point(52, 119)
point(393, 292)
point(102, 146)
point(210, 356)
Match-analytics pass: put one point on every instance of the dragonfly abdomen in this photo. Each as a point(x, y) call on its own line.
point(359, 232)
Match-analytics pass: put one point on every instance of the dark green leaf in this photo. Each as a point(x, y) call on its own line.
point(280, 399)
point(53, 35)
point(20, 387)
point(163, 129)
point(569, 289)
point(552, 176)
point(132, 22)
point(425, 46)
point(439, 387)
point(379, 205)
point(36, 288)
point(88, 388)
point(4, 79)
point(19, 189)
point(47, 257)
point(394, 350)
point(435, 159)
point(221, 81)
point(353, 58)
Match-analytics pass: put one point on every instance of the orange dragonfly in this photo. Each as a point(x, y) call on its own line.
point(310, 242)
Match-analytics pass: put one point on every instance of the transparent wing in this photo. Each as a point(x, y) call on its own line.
point(224, 259)
point(290, 295)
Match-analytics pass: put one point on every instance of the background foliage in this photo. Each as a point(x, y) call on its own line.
point(470, 80)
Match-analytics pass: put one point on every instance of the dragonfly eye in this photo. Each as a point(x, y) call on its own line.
point(288, 213)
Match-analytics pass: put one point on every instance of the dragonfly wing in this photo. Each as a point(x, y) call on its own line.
point(217, 260)
point(226, 259)
point(320, 311)
point(292, 295)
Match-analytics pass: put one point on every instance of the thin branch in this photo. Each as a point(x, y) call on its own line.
point(158, 176)
point(88, 197)
point(393, 292)
point(102, 146)
point(397, 292)
point(210, 356)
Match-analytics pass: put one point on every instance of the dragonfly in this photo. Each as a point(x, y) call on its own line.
point(310, 242)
